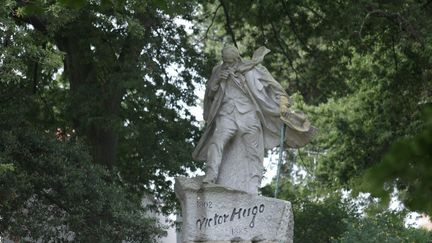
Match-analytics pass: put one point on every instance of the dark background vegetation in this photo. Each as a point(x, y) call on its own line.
point(93, 119)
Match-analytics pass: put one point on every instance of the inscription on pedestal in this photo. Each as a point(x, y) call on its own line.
point(235, 214)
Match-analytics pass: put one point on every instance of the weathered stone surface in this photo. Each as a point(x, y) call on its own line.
point(217, 214)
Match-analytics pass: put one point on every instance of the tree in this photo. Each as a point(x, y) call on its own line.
point(56, 193)
point(96, 75)
point(339, 216)
point(407, 168)
point(385, 227)
point(315, 220)
point(117, 93)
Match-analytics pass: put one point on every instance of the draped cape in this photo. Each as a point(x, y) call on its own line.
point(265, 93)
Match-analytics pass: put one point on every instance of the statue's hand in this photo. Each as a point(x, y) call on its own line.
point(284, 106)
point(284, 111)
point(223, 75)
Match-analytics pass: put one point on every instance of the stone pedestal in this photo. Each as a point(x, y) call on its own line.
point(217, 214)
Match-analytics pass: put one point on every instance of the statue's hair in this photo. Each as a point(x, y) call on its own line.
point(231, 50)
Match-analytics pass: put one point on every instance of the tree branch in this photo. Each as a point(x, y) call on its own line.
point(294, 27)
point(54, 201)
point(395, 18)
point(395, 54)
point(312, 10)
point(35, 74)
point(212, 22)
point(131, 49)
point(37, 23)
point(228, 22)
point(284, 52)
point(426, 4)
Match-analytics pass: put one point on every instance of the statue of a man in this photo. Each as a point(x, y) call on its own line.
point(244, 110)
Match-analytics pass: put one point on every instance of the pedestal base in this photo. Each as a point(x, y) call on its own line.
point(217, 214)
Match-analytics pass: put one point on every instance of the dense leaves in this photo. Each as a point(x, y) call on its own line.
point(385, 227)
point(52, 191)
point(113, 86)
point(407, 166)
point(340, 217)
point(93, 99)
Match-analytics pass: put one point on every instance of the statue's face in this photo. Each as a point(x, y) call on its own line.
point(230, 55)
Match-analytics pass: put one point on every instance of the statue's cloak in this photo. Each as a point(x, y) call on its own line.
point(265, 92)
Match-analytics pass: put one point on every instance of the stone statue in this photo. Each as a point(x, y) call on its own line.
point(244, 110)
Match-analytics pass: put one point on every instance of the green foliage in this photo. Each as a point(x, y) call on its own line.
point(54, 192)
point(94, 98)
point(100, 72)
point(315, 219)
point(6, 167)
point(407, 166)
point(336, 218)
point(320, 220)
point(386, 227)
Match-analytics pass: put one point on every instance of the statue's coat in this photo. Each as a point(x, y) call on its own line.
point(265, 93)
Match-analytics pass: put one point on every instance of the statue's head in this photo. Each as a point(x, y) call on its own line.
point(230, 54)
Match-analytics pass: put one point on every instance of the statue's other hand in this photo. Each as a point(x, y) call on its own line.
point(284, 111)
point(284, 106)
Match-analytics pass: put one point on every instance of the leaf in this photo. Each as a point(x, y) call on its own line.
point(75, 4)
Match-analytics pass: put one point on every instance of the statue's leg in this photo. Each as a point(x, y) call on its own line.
point(225, 129)
point(252, 138)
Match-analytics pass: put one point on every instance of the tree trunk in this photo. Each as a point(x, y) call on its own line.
point(94, 104)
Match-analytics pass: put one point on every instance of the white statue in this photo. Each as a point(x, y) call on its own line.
point(244, 110)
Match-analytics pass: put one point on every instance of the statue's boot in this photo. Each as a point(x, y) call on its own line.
point(210, 176)
point(215, 157)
